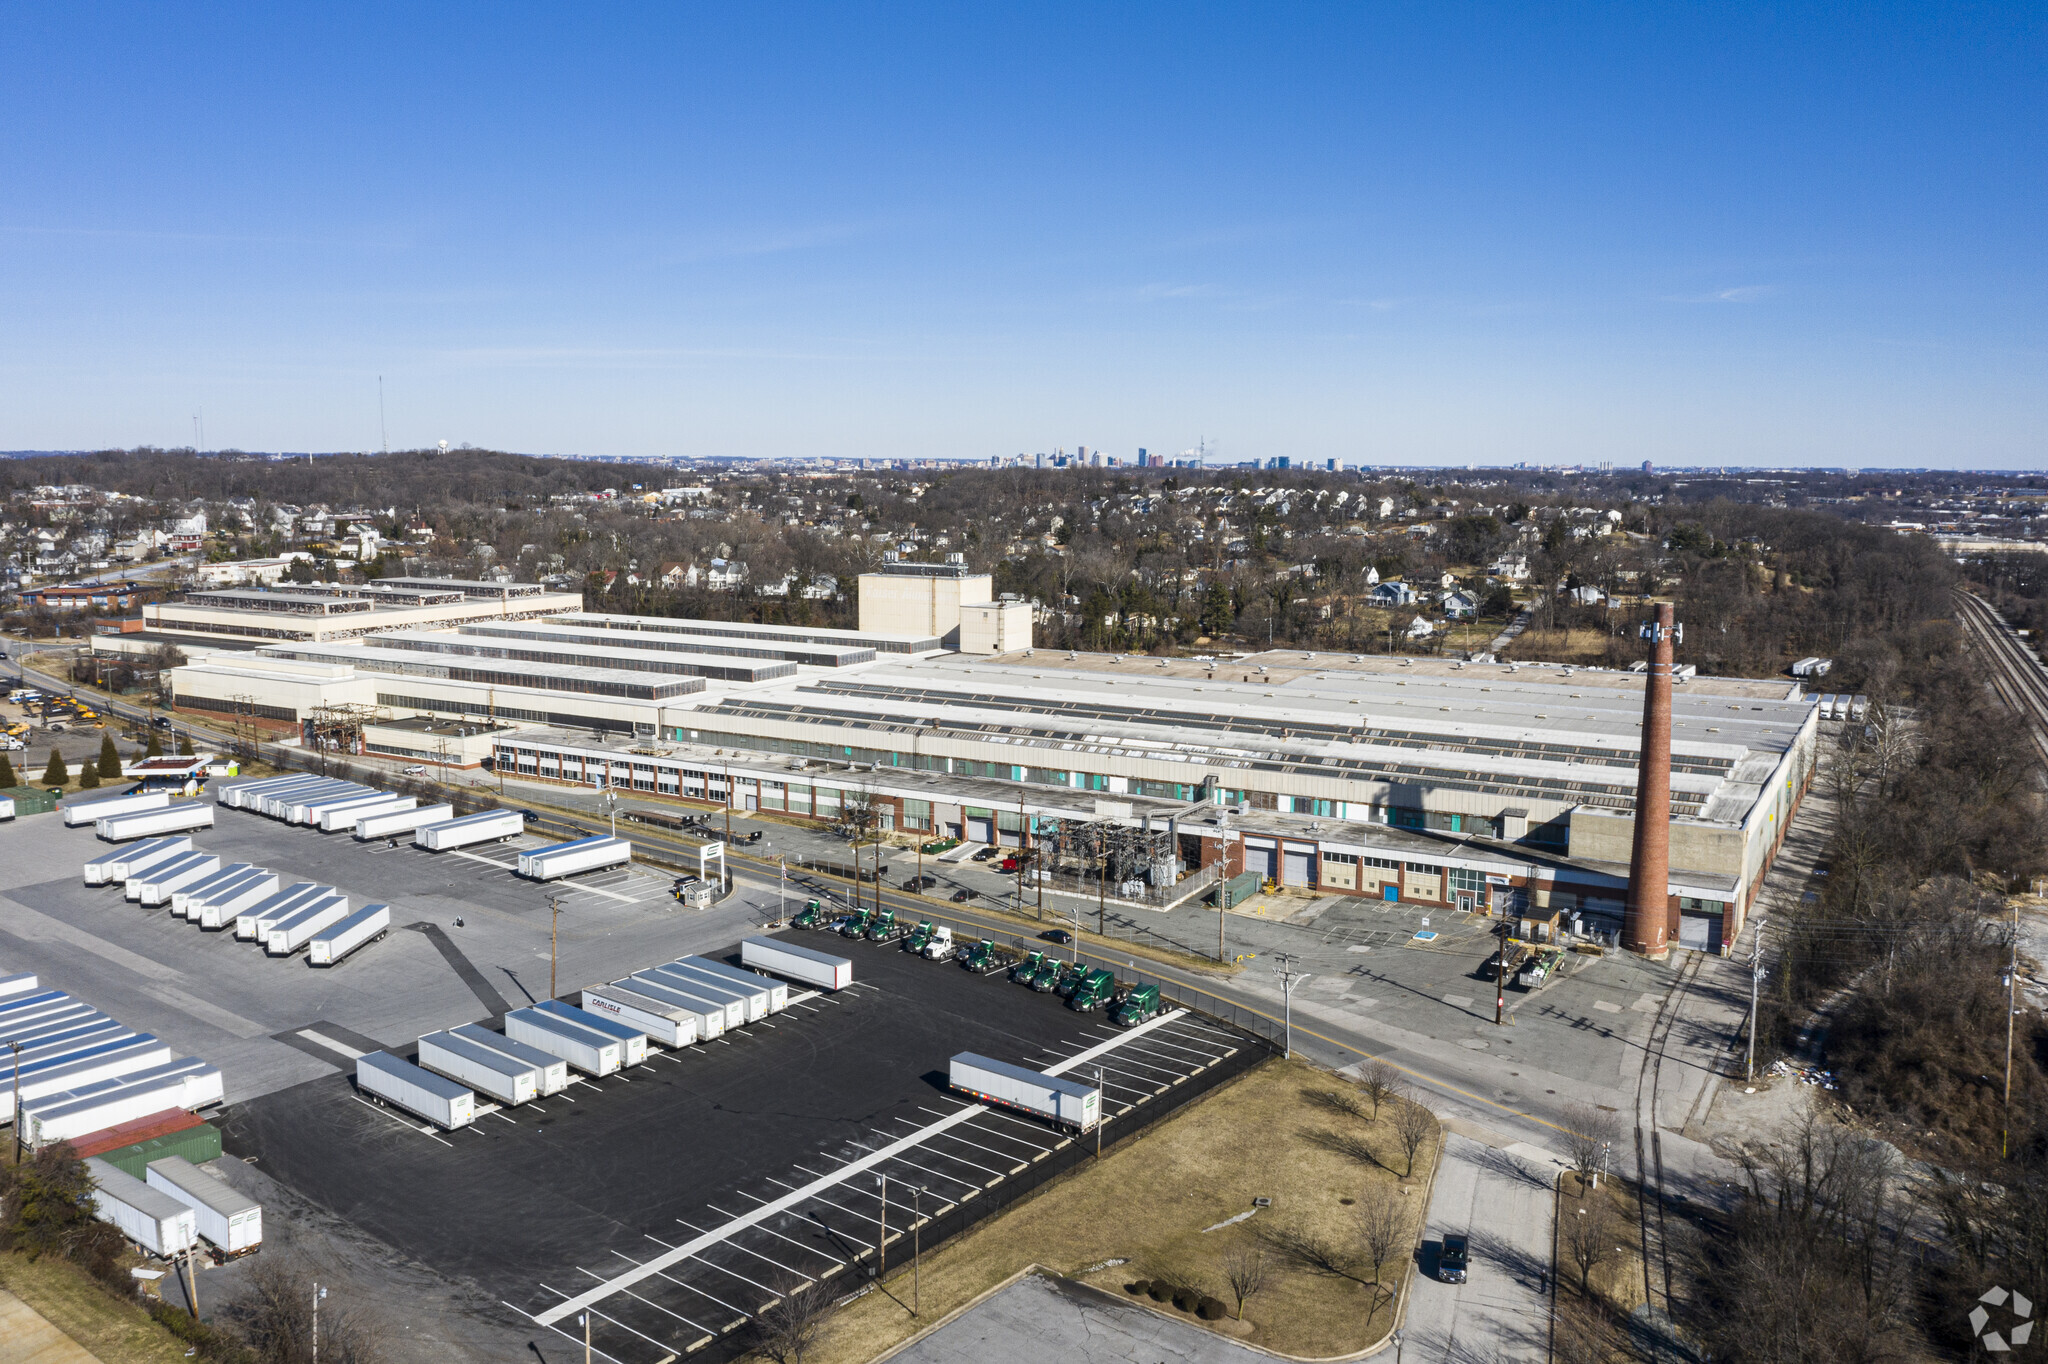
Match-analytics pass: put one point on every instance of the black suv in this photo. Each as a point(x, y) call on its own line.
point(1450, 1266)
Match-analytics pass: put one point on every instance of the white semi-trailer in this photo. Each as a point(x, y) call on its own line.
point(188, 1083)
point(669, 1024)
point(92, 811)
point(151, 1218)
point(289, 934)
point(711, 1014)
point(486, 1071)
point(206, 885)
point(222, 907)
point(553, 1070)
point(369, 826)
point(23, 983)
point(179, 818)
point(805, 964)
point(567, 859)
point(297, 893)
point(1066, 1102)
point(280, 804)
point(470, 830)
point(156, 884)
point(421, 1093)
point(338, 939)
point(113, 864)
point(269, 801)
point(585, 1049)
point(141, 868)
point(777, 991)
point(310, 812)
point(106, 1061)
point(735, 1001)
point(228, 1218)
point(633, 1043)
point(345, 816)
point(254, 926)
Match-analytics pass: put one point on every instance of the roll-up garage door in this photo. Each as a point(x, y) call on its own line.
point(981, 828)
point(1299, 866)
point(1262, 856)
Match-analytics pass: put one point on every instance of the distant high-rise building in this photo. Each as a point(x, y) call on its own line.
point(1646, 467)
point(1144, 460)
point(1038, 460)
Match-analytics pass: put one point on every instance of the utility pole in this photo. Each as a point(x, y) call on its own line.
point(1501, 931)
point(917, 1193)
point(882, 1242)
point(586, 1338)
point(17, 1101)
point(1101, 1113)
point(318, 1293)
point(1101, 888)
point(554, 926)
point(783, 917)
point(1283, 967)
point(2012, 985)
point(1756, 980)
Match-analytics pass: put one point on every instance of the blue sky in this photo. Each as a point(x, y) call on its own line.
point(1726, 234)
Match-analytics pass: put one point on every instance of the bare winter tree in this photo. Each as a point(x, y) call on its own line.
point(1589, 1131)
point(788, 1329)
point(1589, 1233)
point(1413, 1125)
point(1245, 1268)
point(1382, 1230)
point(1380, 1082)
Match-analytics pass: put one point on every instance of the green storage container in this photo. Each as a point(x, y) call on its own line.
point(196, 1144)
point(31, 800)
point(1242, 887)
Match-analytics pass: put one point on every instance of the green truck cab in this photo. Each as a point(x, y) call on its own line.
point(1024, 970)
point(919, 936)
point(809, 915)
point(1071, 978)
point(882, 926)
point(1047, 975)
point(1142, 1003)
point(1093, 992)
point(979, 956)
point(856, 925)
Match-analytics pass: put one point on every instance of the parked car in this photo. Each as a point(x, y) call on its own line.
point(917, 883)
point(963, 895)
point(1058, 935)
point(415, 771)
point(983, 854)
point(1450, 1266)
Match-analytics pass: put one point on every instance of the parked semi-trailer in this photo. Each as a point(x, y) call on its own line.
point(470, 830)
point(151, 1218)
point(191, 814)
point(632, 1042)
point(288, 935)
point(6, 807)
point(157, 884)
point(92, 811)
point(225, 875)
point(113, 864)
point(105, 1061)
point(311, 811)
point(741, 1007)
point(279, 804)
point(483, 1070)
point(23, 983)
point(240, 795)
point(228, 1218)
point(778, 991)
point(1066, 1102)
point(552, 1070)
point(337, 940)
point(345, 817)
point(142, 868)
point(586, 1049)
point(222, 907)
point(298, 893)
point(397, 822)
point(709, 1013)
point(420, 1093)
point(187, 1083)
point(669, 1024)
point(251, 926)
point(776, 957)
point(567, 859)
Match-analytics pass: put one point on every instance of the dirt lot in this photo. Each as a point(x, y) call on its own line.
point(1171, 1205)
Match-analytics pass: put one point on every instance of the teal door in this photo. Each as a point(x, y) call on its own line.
point(1390, 893)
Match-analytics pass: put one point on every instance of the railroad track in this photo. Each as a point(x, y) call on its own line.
point(1650, 1201)
point(2014, 672)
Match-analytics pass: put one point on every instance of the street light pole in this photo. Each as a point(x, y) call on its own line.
point(917, 1193)
point(1100, 1112)
point(318, 1293)
point(1500, 971)
point(554, 926)
point(882, 1242)
point(1283, 967)
point(1756, 980)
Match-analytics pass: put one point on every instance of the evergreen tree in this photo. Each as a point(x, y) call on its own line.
point(156, 747)
point(88, 775)
point(6, 772)
point(184, 745)
point(56, 774)
point(110, 757)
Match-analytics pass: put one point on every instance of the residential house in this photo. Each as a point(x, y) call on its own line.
point(1393, 594)
point(1459, 605)
point(1512, 568)
point(726, 575)
point(674, 575)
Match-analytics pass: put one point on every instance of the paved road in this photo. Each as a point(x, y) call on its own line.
point(1501, 1198)
point(1038, 1319)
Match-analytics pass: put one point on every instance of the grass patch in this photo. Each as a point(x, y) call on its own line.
point(1269, 1134)
point(117, 1330)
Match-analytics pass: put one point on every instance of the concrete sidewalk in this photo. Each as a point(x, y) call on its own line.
point(26, 1337)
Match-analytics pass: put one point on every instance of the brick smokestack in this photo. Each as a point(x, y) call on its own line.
point(1645, 922)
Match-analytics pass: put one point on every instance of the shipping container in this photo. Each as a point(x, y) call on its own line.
point(552, 1070)
point(778, 991)
point(151, 1218)
point(31, 800)
point(741, 1006)
point(470, 830)
point(227, 1217)
point(1066, 1102)
point(482, 1069)
point(821, 969)
point(405, 1086)
point(130, 1146)
point(91, 811)
point(289, 934)
point(221, 908)
point(671, 1025)
point(711, 1014)
point(331, 944)
point(189, 814)
point(156, 885)
point(584, 1048)
point(187, 1083)
point(398, 822)
point(114, 864)
point(58, 1074)
point(248, 921)
point(345, 817)
point(567, 859)
point(225, 875)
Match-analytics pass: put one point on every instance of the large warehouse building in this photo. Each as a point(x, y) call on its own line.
point(1481, 786)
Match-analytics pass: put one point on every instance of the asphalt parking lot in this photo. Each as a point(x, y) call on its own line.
point(673, 1200)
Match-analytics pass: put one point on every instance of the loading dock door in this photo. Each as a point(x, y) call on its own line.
point(1263, 860)
point(1700, 932)
point(981, 828)
point(1300, 868)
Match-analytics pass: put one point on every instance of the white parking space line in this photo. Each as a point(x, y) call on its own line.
point(745, 1249)
point(938, 1174)
point(558, 1330)
point(685, 1283)
point(797, 1195)
point(374, 1108)
point(666, 1311)
point(807, 1249)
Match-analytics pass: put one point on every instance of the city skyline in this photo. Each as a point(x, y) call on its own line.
point(1387, 238)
